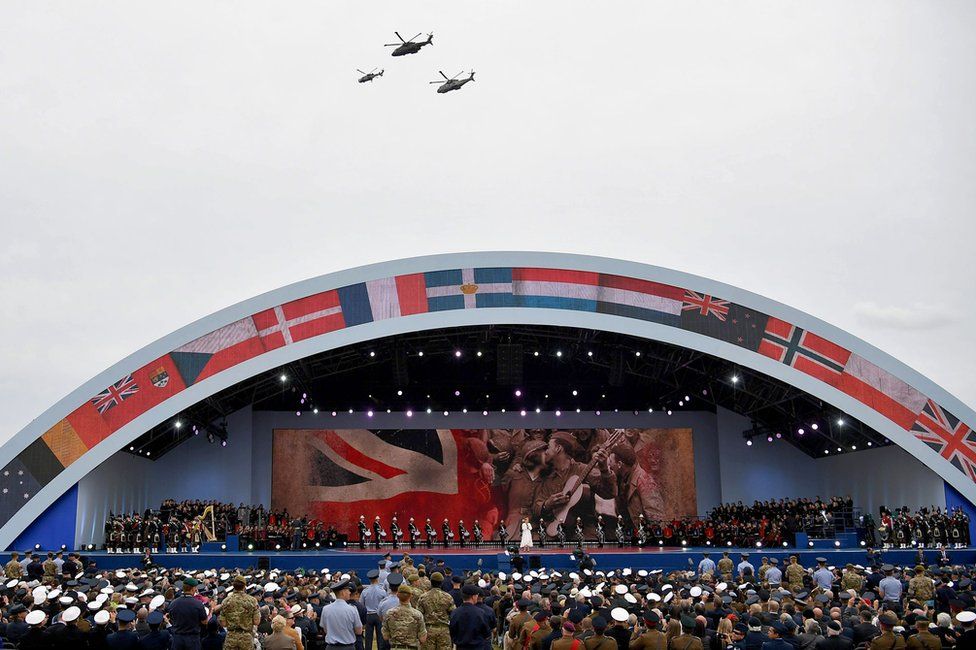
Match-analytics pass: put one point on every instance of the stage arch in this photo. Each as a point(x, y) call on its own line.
point(74, 436)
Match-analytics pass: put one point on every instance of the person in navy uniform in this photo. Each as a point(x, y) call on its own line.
point(157, 639)
point(470, 626)
point(187, 616)
point(36, 636)
point(17, 627)
point(126, 638)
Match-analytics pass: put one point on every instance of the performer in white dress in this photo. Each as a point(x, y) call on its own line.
point(526, 541)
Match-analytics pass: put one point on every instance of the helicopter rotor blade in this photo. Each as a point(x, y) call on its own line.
point(392, 44)
point(360, 71)
point(436, 82)
point(400, 37)
point(444, 75)
point(415, 36)
point(458, 75)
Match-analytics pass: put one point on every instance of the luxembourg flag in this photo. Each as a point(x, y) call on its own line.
point(598, 292)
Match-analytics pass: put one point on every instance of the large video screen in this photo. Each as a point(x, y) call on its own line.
point(487, 475)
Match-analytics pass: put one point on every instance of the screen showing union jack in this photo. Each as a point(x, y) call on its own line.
point(488, 475)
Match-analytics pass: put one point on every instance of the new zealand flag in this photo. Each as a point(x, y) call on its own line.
point(723, 320)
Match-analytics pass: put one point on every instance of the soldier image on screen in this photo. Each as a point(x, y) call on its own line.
point(447, 532)
point(429, 533)
point(414, 533)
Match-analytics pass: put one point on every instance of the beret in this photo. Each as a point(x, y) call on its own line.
point(474, 590)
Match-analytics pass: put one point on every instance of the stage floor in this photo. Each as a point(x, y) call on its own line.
point(667, 558)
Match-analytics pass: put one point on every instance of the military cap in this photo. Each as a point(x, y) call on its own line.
point(966, 616)
point(822, 560)
point(437, 577)
point(17, 608)
point(394, 579)
point(569, 627)
point(472, 590)
point(779, 627)
point(541, 615)
point(189, 582)
point(887, 567)
point(339, 586)
point(102, 617)
point(687, 622)
point(126, 615)
point(888, 618)
point(599, 623)
point(835, 626)
point(155, 617)
point(744, 555)
point(822, 598)
point(35, 617)
point(741, 628)
point(618, 614)
point(404, 590)
point(651, 617)
point(752, 600)
point(773, 561)
point(522, 603)
point(965, 582)
point(372, 574)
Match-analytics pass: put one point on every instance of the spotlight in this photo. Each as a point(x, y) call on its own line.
point(445, 413)
point(708, 542)
point(637, 353)
point(687, 398)
point(758, 544)
point(684, 542)
point(840, 422)
point(486, 413)
point(577, 410)
point(409, 414)
point(457, 393)
point(575, 392)
point(350, 411)
point(826, 451)
point(223, 443)
point(178, 424)
point(478, 353)
point(464, 410)
point(399, 393)
point(298, 413)
point(779, 435)
point(749, 442)
point(681, 403)
point(522, 413)
point(304, 545)
point(669, 411)
point(283, 378)
point(420, 353)
point(372, 354)
point(837, 543)
point(785, 545)
point(428, 410)
point(728, 543)
point(769, 438)
point(64, 547)
point(869, 443)
point(91, 547)
point(250, 547)
point(559, 353)
point(735, 379)
point(223, 547)
point(277, 547)
point(814, 426)
point(535, 354)
point(147, 453)
point(132, 448)
point(316, 544)
point(457, 353)
point(315, 411)
point(853, 447)
point(538, 410)
point(863, 543)
point(590, 353)
point(650, 410)
point(518, 393)
point(333, 413)
point(598, 413)
point(369, 414)
point(839, 449)
point(800, 431)
point(660, 542)
point(558, 413)
point(810, 544)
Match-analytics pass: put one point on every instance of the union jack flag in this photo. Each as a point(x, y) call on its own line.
point(115, 394)
point(708, 305)
point(949, 436)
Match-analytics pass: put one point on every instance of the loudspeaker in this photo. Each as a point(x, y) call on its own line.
point(535, 562)
point(264, 563)
point(509, 359)
point(617, 367)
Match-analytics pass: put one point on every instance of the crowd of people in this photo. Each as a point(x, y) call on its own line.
point(183, 527)
point(403, 605)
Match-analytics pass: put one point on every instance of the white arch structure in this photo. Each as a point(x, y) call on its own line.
point(169, 375)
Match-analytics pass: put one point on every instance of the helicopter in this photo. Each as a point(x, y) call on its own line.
point(453, 83)
point(369, 76)
point(409, 47)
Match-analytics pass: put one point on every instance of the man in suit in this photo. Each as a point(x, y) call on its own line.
point(834, 639)
point(865, 630)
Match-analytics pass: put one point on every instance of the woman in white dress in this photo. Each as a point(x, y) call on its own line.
point(526, 541)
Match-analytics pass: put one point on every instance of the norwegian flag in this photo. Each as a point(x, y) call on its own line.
point(949, 436)
point(804, 350)
point(115, 394)
point(707, 305)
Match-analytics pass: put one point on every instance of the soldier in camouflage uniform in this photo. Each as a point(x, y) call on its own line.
point(921, 587)
point(763, 568)
point(851, 579)
point(414, 583)
point(725, 566)
point(436, 606)
point(794, 575)
point(404, 627)
point(239, 614)
point(12, 568)
point(50, 567)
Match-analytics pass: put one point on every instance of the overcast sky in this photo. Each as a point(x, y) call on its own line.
point(159, 161)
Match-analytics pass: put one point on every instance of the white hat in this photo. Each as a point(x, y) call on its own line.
point(573, 575)
point(695, 591)
point(94, 605)
point(630, 598)
point(106, 591)
point(35, 616)
point(619, 614)
point(295, 609)
point(587, 572)
point(120, 574)
point(71, 614)
point(516, 576)
point(271, 586)
point(722, 586)
point(653, 597)
point(157, 602)
point(65, 600)
point(668, 596)
point(40, 595)
point(101, 618)
point(620, 589)
point(966, 616)
point(131, 600)
point(642, 573)
point(501, 575)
